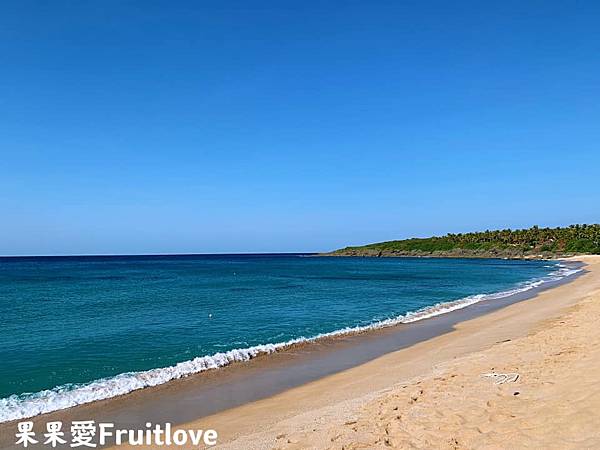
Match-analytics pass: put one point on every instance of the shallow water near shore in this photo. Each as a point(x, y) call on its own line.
point(76, 330)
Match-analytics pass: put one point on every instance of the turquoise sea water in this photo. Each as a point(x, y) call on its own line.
point(77, 329)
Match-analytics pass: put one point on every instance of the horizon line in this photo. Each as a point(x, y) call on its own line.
point(91, 255)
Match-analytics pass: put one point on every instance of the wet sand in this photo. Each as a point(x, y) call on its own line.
point(307, 379)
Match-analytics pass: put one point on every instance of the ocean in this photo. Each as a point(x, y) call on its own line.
point(79, 329)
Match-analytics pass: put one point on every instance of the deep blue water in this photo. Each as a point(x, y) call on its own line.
point(74, 320)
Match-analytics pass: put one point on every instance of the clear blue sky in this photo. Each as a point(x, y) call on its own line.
point(152, 127)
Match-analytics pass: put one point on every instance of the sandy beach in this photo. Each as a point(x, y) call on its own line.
point(435, 395)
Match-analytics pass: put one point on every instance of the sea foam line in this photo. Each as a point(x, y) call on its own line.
point(24, 406)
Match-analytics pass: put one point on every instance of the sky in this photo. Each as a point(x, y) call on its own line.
point(131, 127)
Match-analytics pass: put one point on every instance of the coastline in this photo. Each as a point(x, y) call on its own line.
point(348, 350)
point(459, 253)
point(74, 396)
point(433, 394)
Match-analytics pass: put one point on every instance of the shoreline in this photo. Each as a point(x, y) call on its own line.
point(123, 385)
point(369, 405)
point(372, 344)
point(451, 255)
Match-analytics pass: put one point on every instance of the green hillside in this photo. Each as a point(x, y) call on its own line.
point(531, 242)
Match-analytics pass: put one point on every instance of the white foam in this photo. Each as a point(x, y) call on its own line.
point(29, 405)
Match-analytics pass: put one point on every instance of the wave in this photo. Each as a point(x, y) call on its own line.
point(27, 405)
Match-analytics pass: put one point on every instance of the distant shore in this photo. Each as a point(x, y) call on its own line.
point(530, 243)
point(455, 253)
